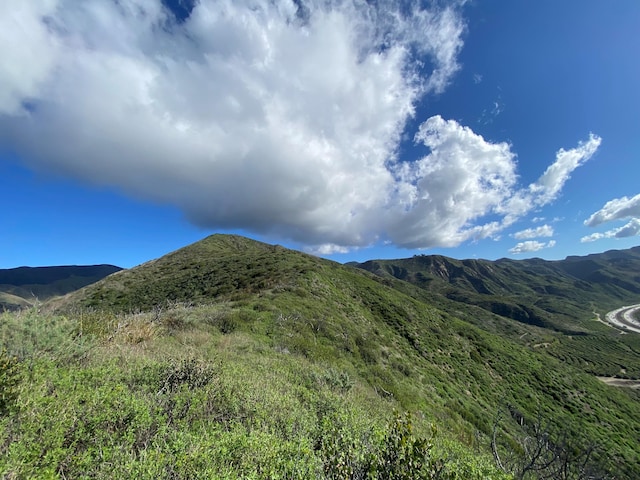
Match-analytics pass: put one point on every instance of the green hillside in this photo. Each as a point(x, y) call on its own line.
point(9, 301)
point(235, 359)
point(563, 298)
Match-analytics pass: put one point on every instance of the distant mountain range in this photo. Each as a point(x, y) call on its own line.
point(554, 294)
point(24, 286)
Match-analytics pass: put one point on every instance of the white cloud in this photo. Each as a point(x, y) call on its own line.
point(28, 52)
point(326, 249)
point(551, 182)
point(593, 237)
point(631, 229)
point(243, 116)
point(531, 246)
point(542, 231)
point(616, 209)
point(462, 179)
point(255, 116)
point(547, 188)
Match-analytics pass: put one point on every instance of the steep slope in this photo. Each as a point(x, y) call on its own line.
point(386, 333)
point(561, 300)
point(24, 285)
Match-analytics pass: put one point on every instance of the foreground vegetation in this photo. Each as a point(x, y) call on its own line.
point(235, 359)
point(133, 397)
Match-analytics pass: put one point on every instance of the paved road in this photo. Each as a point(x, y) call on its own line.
point(620, 382)
point(623, 318)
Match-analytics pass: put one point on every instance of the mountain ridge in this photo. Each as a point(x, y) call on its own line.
point(533, 290)
point(24, 286)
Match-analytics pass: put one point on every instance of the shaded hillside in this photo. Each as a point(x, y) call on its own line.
point(23, 285)
point(12, 302)
point(386, 333)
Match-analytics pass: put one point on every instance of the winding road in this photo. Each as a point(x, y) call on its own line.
point(625, 318)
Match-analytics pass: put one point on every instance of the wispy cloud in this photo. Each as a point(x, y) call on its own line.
point(542, 231)
point(275, 117)
point(547, 188)
point(531, 246)
point(488, 115)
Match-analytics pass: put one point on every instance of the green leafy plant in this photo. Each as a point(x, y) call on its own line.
point(405, 456)
point(9, 380)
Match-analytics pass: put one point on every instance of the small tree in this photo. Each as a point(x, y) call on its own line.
point(404, 456)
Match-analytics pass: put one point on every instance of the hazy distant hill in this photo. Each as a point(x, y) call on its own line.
point(22, 286)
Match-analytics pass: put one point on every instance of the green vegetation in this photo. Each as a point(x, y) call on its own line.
point(561, 298)
point(146, 400)
point(235, 359)
point(9, 301)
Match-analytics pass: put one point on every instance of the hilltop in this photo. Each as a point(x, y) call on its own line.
point(347, 345)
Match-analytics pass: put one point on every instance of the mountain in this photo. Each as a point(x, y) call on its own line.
point(555, 294)
point(457, 341)
point(563, 298)
point(22, 286)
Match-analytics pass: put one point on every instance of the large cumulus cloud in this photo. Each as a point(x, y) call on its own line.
point(276, 117)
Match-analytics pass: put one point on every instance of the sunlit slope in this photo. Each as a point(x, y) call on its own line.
point(384, 331)
point(560, 300)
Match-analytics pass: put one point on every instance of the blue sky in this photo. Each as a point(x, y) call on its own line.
point(477, 129)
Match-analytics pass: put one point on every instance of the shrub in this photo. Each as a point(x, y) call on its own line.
point(9, 379)
point(404, 456)
point(190, 372)
point(30, 334)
